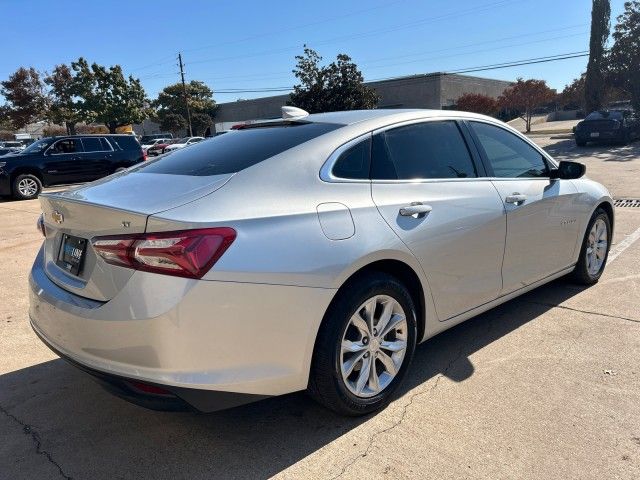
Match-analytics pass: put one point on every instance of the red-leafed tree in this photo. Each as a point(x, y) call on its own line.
point(478, 103)
point(525, 96)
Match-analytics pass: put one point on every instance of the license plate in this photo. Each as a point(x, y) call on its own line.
point(595, 134)
point(71, 253)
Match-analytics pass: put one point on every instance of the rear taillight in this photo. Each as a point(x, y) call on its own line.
point(144, 155)
point(186, 253)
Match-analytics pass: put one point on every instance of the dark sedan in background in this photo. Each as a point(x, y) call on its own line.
point(620, 126)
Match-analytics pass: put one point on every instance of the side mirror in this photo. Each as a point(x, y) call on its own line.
point(569, 170)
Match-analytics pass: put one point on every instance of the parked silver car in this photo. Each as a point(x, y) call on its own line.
point(310, 253)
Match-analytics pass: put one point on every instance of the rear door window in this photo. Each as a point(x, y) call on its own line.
point(429, 150)
point(236, 150)
point(93, 144)
point(509, 156)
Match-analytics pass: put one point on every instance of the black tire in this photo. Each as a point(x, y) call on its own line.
point(326, 385)
point(16, 190)
point(581, 273)
point(626, 138)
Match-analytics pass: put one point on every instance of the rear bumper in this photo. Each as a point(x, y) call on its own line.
point(187, 336)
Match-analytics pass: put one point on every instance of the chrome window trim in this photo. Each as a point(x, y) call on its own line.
point(326, 172)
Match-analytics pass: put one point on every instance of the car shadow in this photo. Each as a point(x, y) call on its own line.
point(568, 150)
point(92, 434)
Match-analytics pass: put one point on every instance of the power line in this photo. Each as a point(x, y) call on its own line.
point(411, 79)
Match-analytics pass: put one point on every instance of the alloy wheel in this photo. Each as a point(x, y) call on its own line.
point(27, 187)
point(373, 346)
point(597, 244)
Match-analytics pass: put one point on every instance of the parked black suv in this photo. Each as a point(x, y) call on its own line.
point(70, 159)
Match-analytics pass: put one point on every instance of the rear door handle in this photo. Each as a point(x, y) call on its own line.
point(416, 208)
point(515, 198)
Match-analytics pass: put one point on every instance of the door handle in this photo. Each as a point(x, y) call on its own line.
point(515, 198)
point(416, 208)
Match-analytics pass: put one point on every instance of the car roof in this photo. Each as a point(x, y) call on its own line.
point(356, 116)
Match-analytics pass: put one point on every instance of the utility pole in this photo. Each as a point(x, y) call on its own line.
point(184, 90)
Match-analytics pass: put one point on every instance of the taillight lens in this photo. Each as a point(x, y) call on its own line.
point(186, 253)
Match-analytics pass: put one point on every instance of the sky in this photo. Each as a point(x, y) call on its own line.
point(243, 49)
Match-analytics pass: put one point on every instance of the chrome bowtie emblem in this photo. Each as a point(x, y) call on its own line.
point(57, 217)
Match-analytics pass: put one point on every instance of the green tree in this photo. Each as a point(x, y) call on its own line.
point(63, 109)
point(334, 87)
point(594, 81)
point(25, 95)
point(173, 122)
point(624, 57)
point(525, 96)
point(106, 96)
point(200, 122)
point(171, 102)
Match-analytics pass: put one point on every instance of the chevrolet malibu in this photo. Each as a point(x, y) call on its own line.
point(308, 253)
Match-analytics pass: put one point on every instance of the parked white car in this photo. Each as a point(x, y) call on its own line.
point(183, 142)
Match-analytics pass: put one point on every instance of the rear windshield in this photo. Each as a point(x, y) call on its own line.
point(236, 150)
point(614, 115)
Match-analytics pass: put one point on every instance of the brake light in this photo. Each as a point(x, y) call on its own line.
point(186, 253)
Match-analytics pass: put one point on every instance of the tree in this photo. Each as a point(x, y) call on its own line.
point(334, 87)
point(624, 57)
point(200, 122)
point(170, 102)
point(573, 94)
point(478, 103)
point(594, 80)
point(173, 122)
point(106, 96)
point(25, 95)
point(525, 96)
point(63, 109)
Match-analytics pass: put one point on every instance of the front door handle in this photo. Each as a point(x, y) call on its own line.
point(516, 198)
point(416, 208)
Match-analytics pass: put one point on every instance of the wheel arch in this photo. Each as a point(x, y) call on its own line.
point(26, 170)
point(607, 206)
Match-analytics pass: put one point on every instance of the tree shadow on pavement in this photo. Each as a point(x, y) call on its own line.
point(94, 435)
point(568, 150)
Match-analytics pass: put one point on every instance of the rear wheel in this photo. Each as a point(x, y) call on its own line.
point(595, 249)
point(26, 186)
point(364, 346)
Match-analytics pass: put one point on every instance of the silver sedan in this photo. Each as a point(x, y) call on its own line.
point(308, 253)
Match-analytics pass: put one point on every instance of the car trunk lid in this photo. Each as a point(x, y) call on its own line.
point(119, 204)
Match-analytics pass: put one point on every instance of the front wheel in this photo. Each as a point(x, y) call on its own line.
point(595, 249)
point(26, 186)
point(364, 346)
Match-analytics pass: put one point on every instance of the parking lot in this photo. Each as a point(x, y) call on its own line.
point(544, 386)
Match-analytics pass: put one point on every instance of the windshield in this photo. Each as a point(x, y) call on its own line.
point(38, 146)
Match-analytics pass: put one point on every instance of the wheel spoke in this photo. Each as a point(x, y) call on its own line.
point(394, 346)
point(358, 322)
point(374, 380)
point(364, 375)
point(389, 364)
point(347, 367)
point(370, 310)
point(393, 322)
point(385, 316)
point(352, 347)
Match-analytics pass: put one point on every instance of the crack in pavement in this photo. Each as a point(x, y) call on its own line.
point(404, 411)
point(588, 312)
point(35, 436)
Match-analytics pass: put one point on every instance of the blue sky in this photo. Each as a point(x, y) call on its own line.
point(250, 45)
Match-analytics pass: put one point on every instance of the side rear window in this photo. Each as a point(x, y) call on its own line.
point(354, 162)
point(236, 150)
point(93, 144)
point(125, 142)
point(429, 150)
